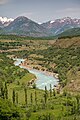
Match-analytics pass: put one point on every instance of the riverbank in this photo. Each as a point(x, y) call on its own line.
point(43, 78)
point(18, 62)
point(47, 73)
point(29, 66)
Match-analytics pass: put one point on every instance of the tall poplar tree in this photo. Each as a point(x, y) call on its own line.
point(16, 98)
point(50, 90)
point(26, 101)
point(6, 91)
point(35, 97)
point(31, 98)
point(45, 95)
point(13, 96)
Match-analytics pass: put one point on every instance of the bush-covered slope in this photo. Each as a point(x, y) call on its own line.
point(71, 32)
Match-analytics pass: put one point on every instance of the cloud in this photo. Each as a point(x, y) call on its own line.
point(3, 2)
point(71, 12)
point(68, 10)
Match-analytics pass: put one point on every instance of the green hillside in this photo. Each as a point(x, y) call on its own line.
point(70, 33)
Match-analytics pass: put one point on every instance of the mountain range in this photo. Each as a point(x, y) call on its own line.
point(60, 25)
point(4, 21)
point(26, 27)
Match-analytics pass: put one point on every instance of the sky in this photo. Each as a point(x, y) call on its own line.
point(40, 10)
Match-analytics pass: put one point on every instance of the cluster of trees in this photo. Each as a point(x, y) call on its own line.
point(8, 111)
point(50, 100)
point(8, 71)
point(11, 111)
point(65, 59)
point(4, 93)
point(16, 37)
point(11, 45)
point(67, 36)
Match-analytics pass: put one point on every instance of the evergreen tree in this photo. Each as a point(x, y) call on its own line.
point(26, 96)
point(35, 97)
point(78, 102)
point(31, 98)
point(6, 91)
point(2, 92)
point(67, 105)
point(45, 95)
point(50, 90)
point(13, 97)
point(16, 98)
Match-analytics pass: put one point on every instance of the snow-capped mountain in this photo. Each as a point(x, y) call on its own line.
point(60, 25)
point(4, 21)
point(26, 27)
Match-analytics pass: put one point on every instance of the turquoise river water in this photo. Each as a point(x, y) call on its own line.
point(42, 78)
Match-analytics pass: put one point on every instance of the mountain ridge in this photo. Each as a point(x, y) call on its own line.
point(26, 27)
point(60, 25)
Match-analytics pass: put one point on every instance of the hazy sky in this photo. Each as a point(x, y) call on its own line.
point(40, 10)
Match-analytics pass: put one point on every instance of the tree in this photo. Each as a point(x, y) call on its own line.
point(2, 92)
point(1, 84)
point(6, 91)
point(50, 90)
point(9, 111)
point(16, 98)
point(13, 96)
point(35, 98)
point(26, 96)
point(31, 98)
point(78, 102)
point(45, 95)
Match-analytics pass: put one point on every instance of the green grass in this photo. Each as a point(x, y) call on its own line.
point(20, 90)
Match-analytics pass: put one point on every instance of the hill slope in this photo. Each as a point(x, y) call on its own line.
point(70, 32)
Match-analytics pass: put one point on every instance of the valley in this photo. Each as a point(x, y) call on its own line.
point(39, 59)
point(59, 57)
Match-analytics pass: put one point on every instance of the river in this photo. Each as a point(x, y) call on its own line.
point(42, 78)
